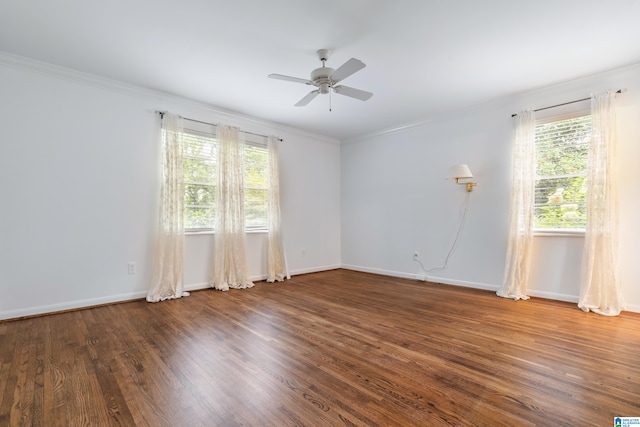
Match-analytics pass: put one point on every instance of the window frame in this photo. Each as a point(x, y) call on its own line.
point(566, 112)
point(200, 133)
point(209, 131)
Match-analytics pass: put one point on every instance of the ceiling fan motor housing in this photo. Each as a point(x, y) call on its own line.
point(321, 78)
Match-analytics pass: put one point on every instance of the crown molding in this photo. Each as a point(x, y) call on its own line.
point(248, 123)
point(57, 71)
point(436, 118)
point(510, 100)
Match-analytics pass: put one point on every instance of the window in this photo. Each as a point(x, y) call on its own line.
point(199, 168)
point(562, 147)
point(256, 184)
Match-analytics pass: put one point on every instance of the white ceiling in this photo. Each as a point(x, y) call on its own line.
point(423, 57)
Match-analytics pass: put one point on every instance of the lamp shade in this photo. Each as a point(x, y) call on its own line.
point(459, 171)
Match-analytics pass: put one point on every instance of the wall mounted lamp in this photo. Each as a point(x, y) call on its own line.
point(458, 172)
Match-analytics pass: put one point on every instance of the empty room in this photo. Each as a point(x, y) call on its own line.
point(304, 213)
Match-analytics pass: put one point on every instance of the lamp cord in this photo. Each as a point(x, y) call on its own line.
point(455, 241)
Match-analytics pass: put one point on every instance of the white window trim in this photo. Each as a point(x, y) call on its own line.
point(538, 232)
point(197, 232)
point(208, 130)
point(569, 112)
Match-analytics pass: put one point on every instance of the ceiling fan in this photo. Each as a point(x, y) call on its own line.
point(325, 79)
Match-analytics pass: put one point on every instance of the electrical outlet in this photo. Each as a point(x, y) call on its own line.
point(131, 268)
point(304, 252)
point(416, 255)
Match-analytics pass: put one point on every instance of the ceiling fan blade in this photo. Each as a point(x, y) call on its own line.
point(290, 79)
point(362, 95)
point(346, 69)
point(308, 98)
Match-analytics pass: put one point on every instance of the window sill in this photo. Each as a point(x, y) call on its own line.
point(558, 233)
point(206, 232)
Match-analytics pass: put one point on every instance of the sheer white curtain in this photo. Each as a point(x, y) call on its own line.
point(518, 261)
point(600, 288)
point(168, 260)
point(230, 268)
point(276, 262)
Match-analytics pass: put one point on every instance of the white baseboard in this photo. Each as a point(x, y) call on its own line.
point(633, 307)
point(261, 277)
point(464, 283)
point(379, 271)
point(422, 277)
point(70, 305)
point(314, 269)
point(554, 296)
point(197, 286)
point(475, 285)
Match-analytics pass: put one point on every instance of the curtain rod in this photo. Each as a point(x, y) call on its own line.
point(213, 124)
point(567, 103)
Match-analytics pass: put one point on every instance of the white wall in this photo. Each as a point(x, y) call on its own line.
point(78, 180)
point(395, 200)
point(78, 190)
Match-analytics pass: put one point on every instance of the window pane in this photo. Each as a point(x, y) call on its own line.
point(198, 217)
point(255, 208)
point(561, 203)
point(199, 146)
point(199, 170)
point(199, 195)
point(256, 167)
point(562, 148)
point(200, 178)
point(256, 186)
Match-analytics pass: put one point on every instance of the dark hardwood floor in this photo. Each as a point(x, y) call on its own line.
point(325, 349)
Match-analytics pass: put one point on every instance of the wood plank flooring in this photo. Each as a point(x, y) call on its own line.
point(337, 348)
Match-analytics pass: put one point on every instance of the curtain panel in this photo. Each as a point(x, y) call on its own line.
point(168, 259)
point(230, 268)
point(276, 261)
point(519, 249)
point(600, 288)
